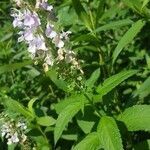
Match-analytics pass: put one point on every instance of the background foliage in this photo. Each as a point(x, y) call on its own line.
point(105, 108)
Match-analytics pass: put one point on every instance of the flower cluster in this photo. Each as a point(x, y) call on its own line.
point(37, 35)
point(14, 131)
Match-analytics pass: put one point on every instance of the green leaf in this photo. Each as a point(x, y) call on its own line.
point(87, 120)
point(100, 10)
point(136, 118)
point(67, 101)
point(64, 117)
point(46, 121)
point(136, 5)
point(143, 91)
point(145, 145)
point(10, 67)
point(6, 37)
point(82, 13)
point(127, 38)
point(17, 107)
point(30, 105)
point(60, 83)
point(93, 78)
point(109, 134)
point(90, 142)
point(113, 81)
point(145, 2)
point(114, 25)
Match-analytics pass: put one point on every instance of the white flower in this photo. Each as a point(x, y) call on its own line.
point(49, 32)
point(58, 42)
point(60, 54)
point(31, 19)
point(48, 60)
point(9, 142)
point(15, 138)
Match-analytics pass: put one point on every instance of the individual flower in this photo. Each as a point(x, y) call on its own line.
point(49, 32)
point(58, 42)
point(38, 43)
point(31, 20)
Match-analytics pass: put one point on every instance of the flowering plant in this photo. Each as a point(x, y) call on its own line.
point(74, 75)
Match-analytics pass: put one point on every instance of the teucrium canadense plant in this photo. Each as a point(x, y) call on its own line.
point(75, 75)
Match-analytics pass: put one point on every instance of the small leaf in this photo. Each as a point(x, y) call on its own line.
point(46, 121)
point(136, 118)
point(30, 105)
point(94, 77)
point(60, 83)
point(143, 91)
point(109, 134)
point(113, 81)
point(87, 120)
point(64, 117)
point(90, 142)
point(127, 38)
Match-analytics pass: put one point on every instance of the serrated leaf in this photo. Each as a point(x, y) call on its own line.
point(90, 142)
point(127, 38)
point(109, 134)
point(136, 118)
point(113, 81)
point(64, 117)
point(144, 89)
point(46, 121)
point(93, 78)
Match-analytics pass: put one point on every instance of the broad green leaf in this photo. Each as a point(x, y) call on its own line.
point(127, 38)
point(93, 78)
point(46, 121)
point(109, 134)
point(144, 89)
point(136, 118)
point(90, 142)
point(113, 81)
point(64, 117)
point(10, 67)
point(114, 25)
point(68, 100)
point(60, 83)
